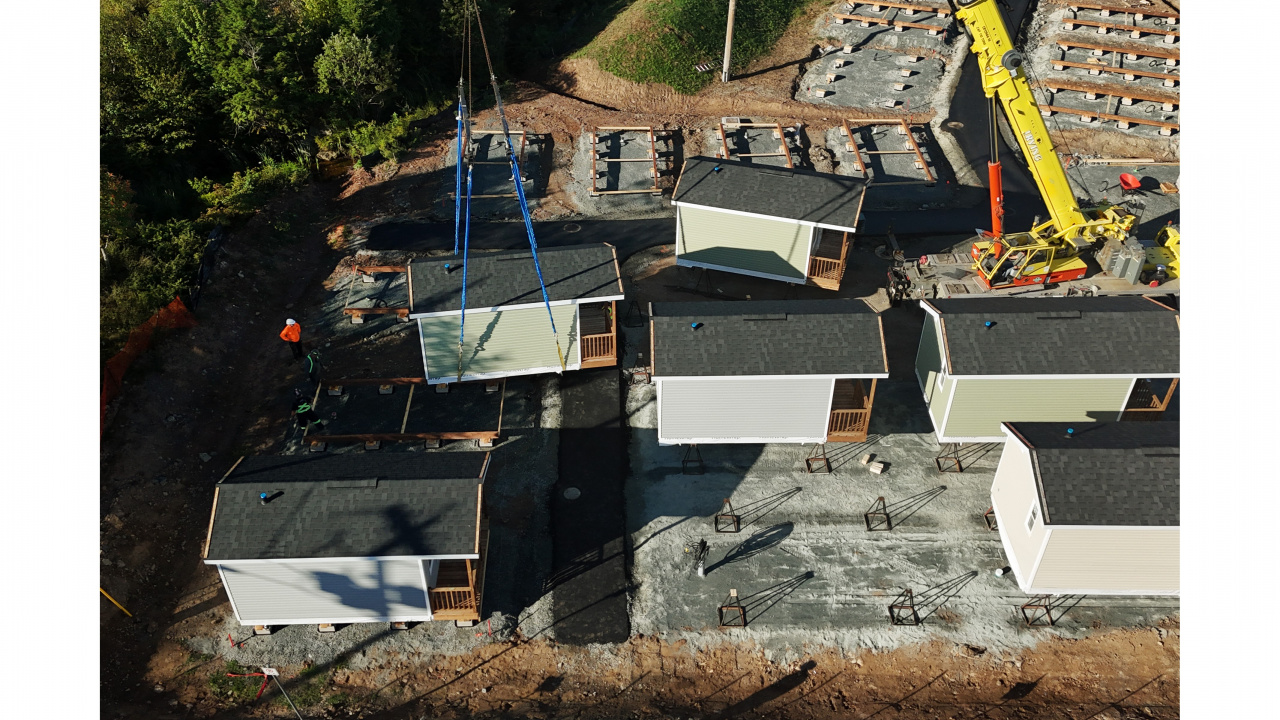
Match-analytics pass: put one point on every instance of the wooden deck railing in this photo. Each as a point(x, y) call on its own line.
point(825, 269)
point(1145, 404)
point(598, 351)
point(849, 422)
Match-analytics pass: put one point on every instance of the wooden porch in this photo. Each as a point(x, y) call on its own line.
point(826, 266)
point(1146, 402)
point(599, 333)
point(850, 411)
point(460, 584)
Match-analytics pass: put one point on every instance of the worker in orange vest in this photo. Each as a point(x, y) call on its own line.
point(292, 334)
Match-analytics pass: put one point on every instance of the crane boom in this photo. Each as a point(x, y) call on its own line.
point(1004, 79)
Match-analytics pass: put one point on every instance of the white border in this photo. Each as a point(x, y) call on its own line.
point(680, 262)
point(778, 218)
point(257, 561)
point(816, 376)
point(521, 306)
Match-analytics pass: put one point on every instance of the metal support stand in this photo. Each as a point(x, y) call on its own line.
point(1038, 611)
point(817, 461)
point(903, 610)
point(948, 459)
point(692, 463)
point(990, 517)
point(704, 274)
point(877, 517)
point(635, 315)
point(731, 612)
point(727, 521)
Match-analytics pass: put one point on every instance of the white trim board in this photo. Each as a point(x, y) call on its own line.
point(338, 621)
point(743, 213)
point(739, 271)
point(841, 376)
point(1086, 591)
point(741, 441)
point(447, 379)
point(1072, 376)
point(520, 306)
point(249, 561)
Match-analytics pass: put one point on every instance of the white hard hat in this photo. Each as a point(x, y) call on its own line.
point(290, 321)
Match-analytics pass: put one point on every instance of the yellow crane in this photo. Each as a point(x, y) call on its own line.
point(1050, 251)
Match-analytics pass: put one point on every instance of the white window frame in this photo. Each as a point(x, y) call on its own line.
point(1033, 518)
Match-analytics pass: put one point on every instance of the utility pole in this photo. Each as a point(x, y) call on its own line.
point(728, 42)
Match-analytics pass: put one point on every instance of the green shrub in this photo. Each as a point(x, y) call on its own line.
point(389, 139)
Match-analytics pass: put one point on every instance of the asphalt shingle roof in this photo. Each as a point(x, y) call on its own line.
point(580, 272)
point(767, 337)
point(1121, 473)
point(1059, 336)
point(821, 198)
point(348, 505)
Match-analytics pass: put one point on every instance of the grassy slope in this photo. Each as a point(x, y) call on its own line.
point(661, 40)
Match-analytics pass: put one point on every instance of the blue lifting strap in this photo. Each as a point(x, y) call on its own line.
point(466, 245)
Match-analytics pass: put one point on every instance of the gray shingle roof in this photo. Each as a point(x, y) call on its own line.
point(1059, 336)
point(821, 198)
point(580, 272)
point(1121, 473)
point(348, 505)
point(767, 337)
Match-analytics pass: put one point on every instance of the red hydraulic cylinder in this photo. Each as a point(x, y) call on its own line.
point(997, 199)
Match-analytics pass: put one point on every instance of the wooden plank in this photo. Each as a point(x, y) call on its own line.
point(405, 422)
point(371, 269)
point(626, 192)
point(642, 128)
point(378, 381)
point(1069, 22)
point(1127, 49)
point(725, 143)
point(402, 312)
point(1108, 116)
point(208, 536)
point(883, 352)
point(616, 268)
point(1121, 9)
point(883, 21)
point(911, 139)
point(502, 403)
point(782, 138)
point(1115, 70)
point(653, 155)
point(853, 143)
point(777, 154)
point(643, 160)
point(941, 11)
point(479, 504)
point(408, 280)
point(1110, 90)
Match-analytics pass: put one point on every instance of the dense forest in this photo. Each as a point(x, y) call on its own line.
point(207, 107)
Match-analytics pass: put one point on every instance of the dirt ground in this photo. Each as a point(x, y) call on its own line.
point(222, 388)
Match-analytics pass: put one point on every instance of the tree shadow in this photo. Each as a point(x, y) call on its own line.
point(768, 694)
point(758, 603)
point(757, 543)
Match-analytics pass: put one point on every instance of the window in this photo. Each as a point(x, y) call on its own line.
point(1033, 518)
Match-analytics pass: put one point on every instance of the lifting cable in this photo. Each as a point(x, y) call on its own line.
point(516, 178)
point(466, 243)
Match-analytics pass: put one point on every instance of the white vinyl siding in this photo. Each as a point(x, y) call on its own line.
point(756, 245)
point(363, 590)
point(1128, 561)
point(979, 406)
point(743, 410)
point(1013, 496)
point(506, 342)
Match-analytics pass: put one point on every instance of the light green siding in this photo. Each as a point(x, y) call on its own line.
point(929, 371)
point(980, 406)
point(507, 342)
point(773, 247)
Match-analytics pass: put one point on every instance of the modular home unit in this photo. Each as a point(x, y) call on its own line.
point(983, 361)
point(350, 538)
point(769, 222)
point(508, 329)
point(1093, 511)
point(777, 371)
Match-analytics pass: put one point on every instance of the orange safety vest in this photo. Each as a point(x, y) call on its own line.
point(291, 333)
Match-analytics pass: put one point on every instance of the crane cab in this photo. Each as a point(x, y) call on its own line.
point(1020, 259)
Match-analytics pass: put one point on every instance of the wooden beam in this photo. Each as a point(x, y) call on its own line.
point(883, 353)
point(911, 140)
point(502, 401)
point(378, 381)
point(882, 21)
point(1110, 90)
point(1121, 9)
point(479, 504)
point(405, 422)
point(1126, 49)
point(1108, 116)
point(640, 128)
point(402, 312)
point(1114, 70)
point(650, 191)
point(370, 269)
point(404, 437)
point(208, 536)
point(1071, 22)
point(1168, 395)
